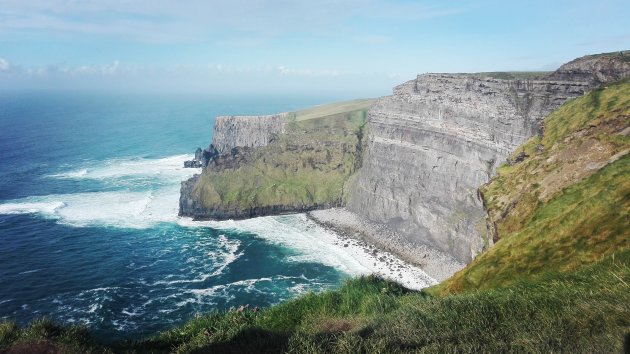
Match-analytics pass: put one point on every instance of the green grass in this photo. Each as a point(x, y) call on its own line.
point(513, 75)
point(46, 336)
point(307, 166)
point(583, 311)
point(330, 109)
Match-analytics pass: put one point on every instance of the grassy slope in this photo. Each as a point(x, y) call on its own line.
point(560, 207)
point(585, 311)
point(308, 165)
point(623, 55)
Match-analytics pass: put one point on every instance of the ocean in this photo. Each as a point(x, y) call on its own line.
point(89, 232)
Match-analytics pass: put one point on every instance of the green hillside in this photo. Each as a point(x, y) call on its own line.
point(585, 311)
point(307, 166)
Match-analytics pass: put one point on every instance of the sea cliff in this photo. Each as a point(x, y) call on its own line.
point(290, 162)
point(435, 141)
point(414, 165)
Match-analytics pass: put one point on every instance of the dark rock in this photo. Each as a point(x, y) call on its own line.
point(202, 157)
point(518, 158)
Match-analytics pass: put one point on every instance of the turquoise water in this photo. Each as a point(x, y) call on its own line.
point(89, 233)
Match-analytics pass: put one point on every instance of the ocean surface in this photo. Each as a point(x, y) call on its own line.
point(89, 233)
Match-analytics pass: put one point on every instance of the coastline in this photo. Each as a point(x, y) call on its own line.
point(325, 245)
point(349, 225)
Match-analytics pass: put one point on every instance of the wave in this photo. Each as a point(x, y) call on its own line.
point(313, 243)
point(30, 206)
point(163, 168)
point(132, 207)
point(125, 209)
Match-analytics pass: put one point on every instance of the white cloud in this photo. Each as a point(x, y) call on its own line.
point(4, 64)
point(251, 21)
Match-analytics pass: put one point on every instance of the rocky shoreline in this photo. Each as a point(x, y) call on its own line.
point(371, 236)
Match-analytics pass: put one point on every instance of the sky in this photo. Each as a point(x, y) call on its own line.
point(349, 47)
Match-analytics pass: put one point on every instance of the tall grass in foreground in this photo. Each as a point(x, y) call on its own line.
point(586, 311)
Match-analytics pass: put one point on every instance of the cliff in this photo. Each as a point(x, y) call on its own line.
point(563, 202)
point(246, 131)
point(438, 138)
point(596, 69)
point(423, 155)
point(290, 162)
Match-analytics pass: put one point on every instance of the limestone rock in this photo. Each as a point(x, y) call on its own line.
point(596, 69)
point(439, 138)
point(246, 131)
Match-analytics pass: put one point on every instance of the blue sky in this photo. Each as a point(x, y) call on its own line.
point(353, 47)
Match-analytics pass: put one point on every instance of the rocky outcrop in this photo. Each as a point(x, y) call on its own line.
point(596, 69)
point(435, 141)
point(246, 131)
point(202, 157)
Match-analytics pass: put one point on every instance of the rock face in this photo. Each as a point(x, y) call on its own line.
point(246, 131)
point(439, 138)
point(202, 157)
point(596, 69)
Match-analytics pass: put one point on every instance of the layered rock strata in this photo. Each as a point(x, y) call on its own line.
point(429, 147)
point(435, 141)
point(246, 131)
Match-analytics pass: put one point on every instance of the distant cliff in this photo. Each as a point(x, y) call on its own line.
point(276, 164)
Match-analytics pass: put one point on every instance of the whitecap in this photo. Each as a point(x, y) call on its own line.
point(29, 271)
point(31, 206)
point(171, 167)
point(313, 243)
point(126, 208)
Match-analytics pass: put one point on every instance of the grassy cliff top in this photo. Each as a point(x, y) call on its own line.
point(513, 75)
point(623, 55)
point(330, 109)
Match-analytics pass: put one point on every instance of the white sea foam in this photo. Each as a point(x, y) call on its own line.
point(164, 168)
point(30, 206)
point(118, 209)
point(316, 244)
point(129, 208)
point(146, 208)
